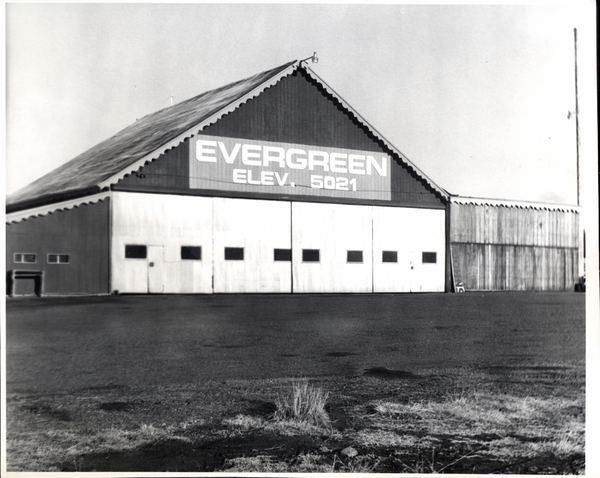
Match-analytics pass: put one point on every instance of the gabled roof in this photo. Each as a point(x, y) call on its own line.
point(149, 137)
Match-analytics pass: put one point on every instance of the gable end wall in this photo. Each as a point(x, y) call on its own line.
point(296, 110)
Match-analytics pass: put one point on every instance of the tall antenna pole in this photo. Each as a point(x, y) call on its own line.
point(581, 242)
point(577, 116)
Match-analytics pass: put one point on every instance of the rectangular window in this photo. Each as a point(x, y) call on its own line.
point(282, 255)
point(234, 253)
point(191, 253)
point(389, 256)
point(133, 251)
point(429, 257)
point(21, 257)
point(58, 258)
point(310, 255)
point(354, 256)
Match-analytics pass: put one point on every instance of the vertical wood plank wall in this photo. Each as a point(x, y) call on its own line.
point(511, 248)
point(81, 232)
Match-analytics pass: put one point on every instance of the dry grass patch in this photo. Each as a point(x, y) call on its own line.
point(495, 426)
point(485, 413)
point(303, 463)
point(290, 427)
point(245, 422)
point(254, 464)
point(302, 403)
point(44, 448)
point(373, 437)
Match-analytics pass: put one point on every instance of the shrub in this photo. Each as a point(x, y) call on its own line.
point(303, 403)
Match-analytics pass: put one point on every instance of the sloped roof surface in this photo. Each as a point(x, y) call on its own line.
point(139, 139)
point(109, 161)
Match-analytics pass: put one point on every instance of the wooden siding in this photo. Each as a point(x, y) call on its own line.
point(483, 224)
point(408, 189)
point(171, 170)
point(506, 267)
point(510, 248)
point(296, 110)
point(81, 232)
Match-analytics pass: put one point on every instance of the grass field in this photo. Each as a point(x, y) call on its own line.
point(406, 402)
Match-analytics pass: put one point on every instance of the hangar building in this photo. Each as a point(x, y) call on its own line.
point(272, 184)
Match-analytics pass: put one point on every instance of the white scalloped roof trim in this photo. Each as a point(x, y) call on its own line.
point(515, 204)
point(196, 129)
point(346, 105)
point(50, 208)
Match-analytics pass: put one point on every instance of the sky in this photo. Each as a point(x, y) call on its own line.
point(477, 97)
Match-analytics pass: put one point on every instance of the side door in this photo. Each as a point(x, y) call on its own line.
point(414, 272)
point(156, 272)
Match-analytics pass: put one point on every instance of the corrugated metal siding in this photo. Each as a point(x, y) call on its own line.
point(81, 232)
point(295, 110)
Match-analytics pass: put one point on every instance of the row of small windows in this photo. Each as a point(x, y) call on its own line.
point(188, 253)
point(313, 255)
point(194, 253)
point(26, 258)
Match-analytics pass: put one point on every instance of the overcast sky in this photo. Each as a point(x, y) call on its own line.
point(476, 96)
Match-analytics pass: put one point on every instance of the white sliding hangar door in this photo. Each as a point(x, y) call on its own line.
point(252, 246)
point(161, 243)
point(409, 249)
point(188, 244)
point(332, 248)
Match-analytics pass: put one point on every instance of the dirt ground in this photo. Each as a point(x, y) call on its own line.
point(432, 383)
point(65, 344)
